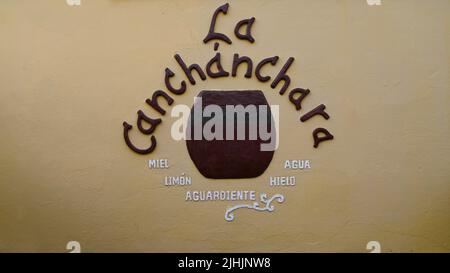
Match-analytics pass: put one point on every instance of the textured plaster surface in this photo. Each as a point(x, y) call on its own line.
point(69, 77)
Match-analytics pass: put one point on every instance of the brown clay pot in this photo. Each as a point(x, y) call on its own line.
point(221, 159)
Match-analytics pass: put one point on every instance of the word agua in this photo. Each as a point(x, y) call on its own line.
point(297, 164)
point(214, 69)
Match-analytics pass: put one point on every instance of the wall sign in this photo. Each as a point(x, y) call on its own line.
point(229, 134)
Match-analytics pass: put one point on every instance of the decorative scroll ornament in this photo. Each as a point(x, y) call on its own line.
point(229, 213)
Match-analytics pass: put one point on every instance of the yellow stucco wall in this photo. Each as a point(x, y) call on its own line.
point(69, 77)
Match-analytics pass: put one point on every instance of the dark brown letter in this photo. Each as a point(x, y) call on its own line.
point(214, 35)
point(248, 35)
point(298, 101)
point(188, 70)
point(220, 71)
point(126, 128)
point(282, 76)
point(319, 110)
point(154, 101)
point(272, 60)
point(153, 123)
point(318, 139)
point(179, 91)
point(237, 61)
